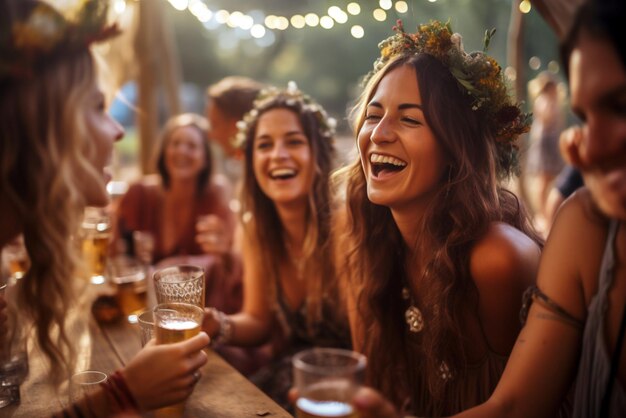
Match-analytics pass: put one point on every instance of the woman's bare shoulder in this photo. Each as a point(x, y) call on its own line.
point(504, 252)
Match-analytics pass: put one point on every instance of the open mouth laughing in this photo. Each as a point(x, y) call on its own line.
point(385, 164)
point(282, 173)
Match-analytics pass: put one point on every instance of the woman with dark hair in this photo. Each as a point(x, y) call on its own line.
point(573, 340)
point(439, 251)
point(169, 209)
point(287, 211)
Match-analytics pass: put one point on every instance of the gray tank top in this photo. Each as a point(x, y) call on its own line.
point(595, 360)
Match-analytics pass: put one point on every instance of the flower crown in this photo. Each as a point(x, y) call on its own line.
point(45, 33)
point(292, 97)
point(478, 74)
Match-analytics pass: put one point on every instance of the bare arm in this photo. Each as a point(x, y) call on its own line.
point(251, 326)
point(543, 363)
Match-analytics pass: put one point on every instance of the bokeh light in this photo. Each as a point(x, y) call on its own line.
point(357, 31)
point(354, 9)
point(380, 15)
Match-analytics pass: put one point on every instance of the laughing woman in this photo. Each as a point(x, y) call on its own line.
point(289, 274)
point(441, 253)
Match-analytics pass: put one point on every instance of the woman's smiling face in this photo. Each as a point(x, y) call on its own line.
point(282, 158)
point(401, 158)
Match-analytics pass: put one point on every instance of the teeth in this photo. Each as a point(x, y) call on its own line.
point(279, 172)
point(386, 159)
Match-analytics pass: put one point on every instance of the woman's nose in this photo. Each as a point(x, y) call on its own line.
point(382, 132)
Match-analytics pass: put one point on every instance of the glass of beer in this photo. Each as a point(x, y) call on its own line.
point(180, 284)
point(146, 324)
point(327, 380)
point(129, 278)
point(96, 235)
point(175, 322)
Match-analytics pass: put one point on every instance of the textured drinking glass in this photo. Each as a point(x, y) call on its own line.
point(175, 322)
point(180, 284)
point(13, 354)
point(85, 383)
point(327, 379)
point(146, 325)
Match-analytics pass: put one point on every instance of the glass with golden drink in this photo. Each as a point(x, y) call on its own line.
point(327, 379)
point(175, 322)
point(96, 235)
point(129, 278)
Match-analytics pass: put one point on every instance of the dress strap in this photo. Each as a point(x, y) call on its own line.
point(605, 279)
point(534, 294)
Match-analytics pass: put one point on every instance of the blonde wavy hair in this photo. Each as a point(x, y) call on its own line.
point(44, 149)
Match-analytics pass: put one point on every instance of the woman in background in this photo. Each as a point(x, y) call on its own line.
point(287, 210)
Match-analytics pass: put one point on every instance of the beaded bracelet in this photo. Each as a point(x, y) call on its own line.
point(225, 332)
point(119, 381)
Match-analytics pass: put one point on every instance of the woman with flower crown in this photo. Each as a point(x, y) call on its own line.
point(287, 210)
point(55, 139)
point(439, 252)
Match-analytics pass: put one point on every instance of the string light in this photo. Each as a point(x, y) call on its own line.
point(327, 22)
point(380, 15)
point(354, 9)
point(357, 31)
point(297, 21)
point(312, 19)
point(402, 7)
point(525, 6)
point(260, 27)
point(385, 4)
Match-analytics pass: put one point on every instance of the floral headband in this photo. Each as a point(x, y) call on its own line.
point(292, 97)
point(478, 74)
point(45, 34)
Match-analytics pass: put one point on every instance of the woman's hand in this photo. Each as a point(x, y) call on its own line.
point(371, 404)
point(213, 235)
point(161, 375)
point(210, 322)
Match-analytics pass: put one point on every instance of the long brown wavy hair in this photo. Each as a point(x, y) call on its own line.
point(468, 200)
point(264, 226)
point(44, 146)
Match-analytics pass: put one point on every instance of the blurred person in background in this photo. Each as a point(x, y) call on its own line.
point(55, 140)
point(544, 162)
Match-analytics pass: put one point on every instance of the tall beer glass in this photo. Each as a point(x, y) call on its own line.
point(175, 322)
point(327, 379)
point(96, 235)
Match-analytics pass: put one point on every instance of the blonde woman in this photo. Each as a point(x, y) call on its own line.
point(55, 140)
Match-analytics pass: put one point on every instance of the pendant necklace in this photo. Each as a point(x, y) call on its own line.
point(413, 316)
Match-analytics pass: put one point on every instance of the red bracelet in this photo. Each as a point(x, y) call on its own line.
point(120, 383)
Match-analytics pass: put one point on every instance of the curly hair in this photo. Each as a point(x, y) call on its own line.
point(39, 127)
point(468, 200)
point(317, 247)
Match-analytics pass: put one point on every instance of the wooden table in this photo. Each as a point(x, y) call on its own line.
point(222, 392)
